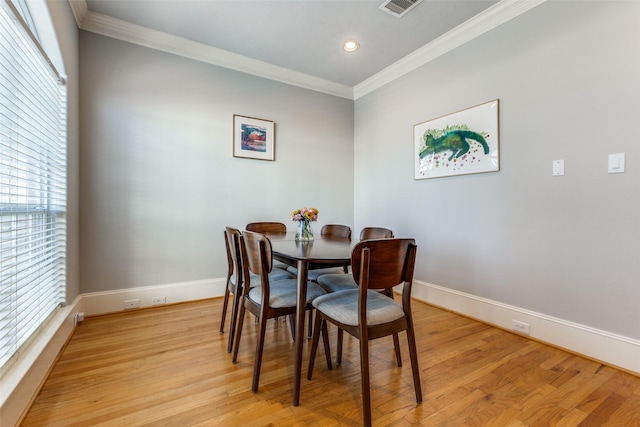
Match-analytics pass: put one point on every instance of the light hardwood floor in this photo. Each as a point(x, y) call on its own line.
point(168, 366)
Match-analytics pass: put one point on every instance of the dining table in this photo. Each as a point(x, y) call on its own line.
point(321, 252)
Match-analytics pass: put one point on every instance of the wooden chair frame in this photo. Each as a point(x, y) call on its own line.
point(375, 233)
point(268, 228)
point(336, 231)
point(234, 268)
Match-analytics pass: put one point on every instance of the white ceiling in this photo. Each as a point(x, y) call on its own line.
point(299, 41)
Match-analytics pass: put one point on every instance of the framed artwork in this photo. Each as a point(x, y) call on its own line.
point(459, 143)
point(253, 138)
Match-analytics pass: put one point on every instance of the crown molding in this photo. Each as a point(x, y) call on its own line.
point(136, 34)
point(79, 9)
point(491, 18)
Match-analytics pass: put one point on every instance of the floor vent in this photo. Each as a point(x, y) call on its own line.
point(398, 8)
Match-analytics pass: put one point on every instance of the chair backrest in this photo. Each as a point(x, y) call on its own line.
point(232, 242)
point(256, 254)
point(384, 263)
point(336, 230)
point(375, 233)
point(268, 228)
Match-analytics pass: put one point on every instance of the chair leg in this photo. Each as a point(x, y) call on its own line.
point(325, 341)
point(224, 308)
point(314, 344)
point(310, 332)
point(396, 342)
point(235, 304)
point(292, 325)
point(257, 364)
point(413, 354)
point(236, 344)
point(366, 385)
point(339, 347)
point(396, 346)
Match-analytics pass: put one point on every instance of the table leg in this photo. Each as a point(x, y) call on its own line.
point(303, 269)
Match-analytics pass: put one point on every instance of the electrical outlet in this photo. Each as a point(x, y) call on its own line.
point(132, 303)
point(521, 327)
point(158, 300)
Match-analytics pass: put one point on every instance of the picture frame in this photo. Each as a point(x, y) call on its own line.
point(460, 143)
point(253, 138)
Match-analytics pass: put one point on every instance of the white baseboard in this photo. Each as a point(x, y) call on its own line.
point(113, 301)
point(609, 348)
point(612, 349)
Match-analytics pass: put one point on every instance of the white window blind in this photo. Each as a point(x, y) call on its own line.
point(32, 186)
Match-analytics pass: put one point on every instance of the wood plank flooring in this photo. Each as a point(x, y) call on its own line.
point(168, 366)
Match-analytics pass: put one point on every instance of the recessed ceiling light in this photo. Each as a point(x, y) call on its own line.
point(351, 45)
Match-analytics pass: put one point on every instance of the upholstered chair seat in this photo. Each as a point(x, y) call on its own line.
point(275, 275)
point(343, 307)
point(314, 274)
point(337, 282)
point(281, 294)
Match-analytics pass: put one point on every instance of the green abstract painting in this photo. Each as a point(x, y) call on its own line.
point(463, 142)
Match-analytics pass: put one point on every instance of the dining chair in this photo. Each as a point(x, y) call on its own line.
point(375, 233)
point(269, 299)
point(342, 282)
point(270, 228)
point(234, 281)
point(336, 231)
point(368, 314)
point(330, 231)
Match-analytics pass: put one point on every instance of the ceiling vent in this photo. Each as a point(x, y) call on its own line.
point(398, 8)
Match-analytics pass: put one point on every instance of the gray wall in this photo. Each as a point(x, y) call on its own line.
point(158, 180)
point(566, 75)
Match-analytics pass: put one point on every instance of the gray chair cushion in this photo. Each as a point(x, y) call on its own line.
point(283, 293)
point(275, 275)
point(343, 307)
point(315, 273)
point(279, 264)
point(337, 282)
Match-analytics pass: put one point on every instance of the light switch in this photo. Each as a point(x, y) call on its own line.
point(558, 167)
point(616, 163)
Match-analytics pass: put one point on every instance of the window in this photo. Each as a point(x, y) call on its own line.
point(32, 185)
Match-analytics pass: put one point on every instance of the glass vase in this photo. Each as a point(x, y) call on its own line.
point(304, 233)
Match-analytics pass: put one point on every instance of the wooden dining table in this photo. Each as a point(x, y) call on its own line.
point(321, 252)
